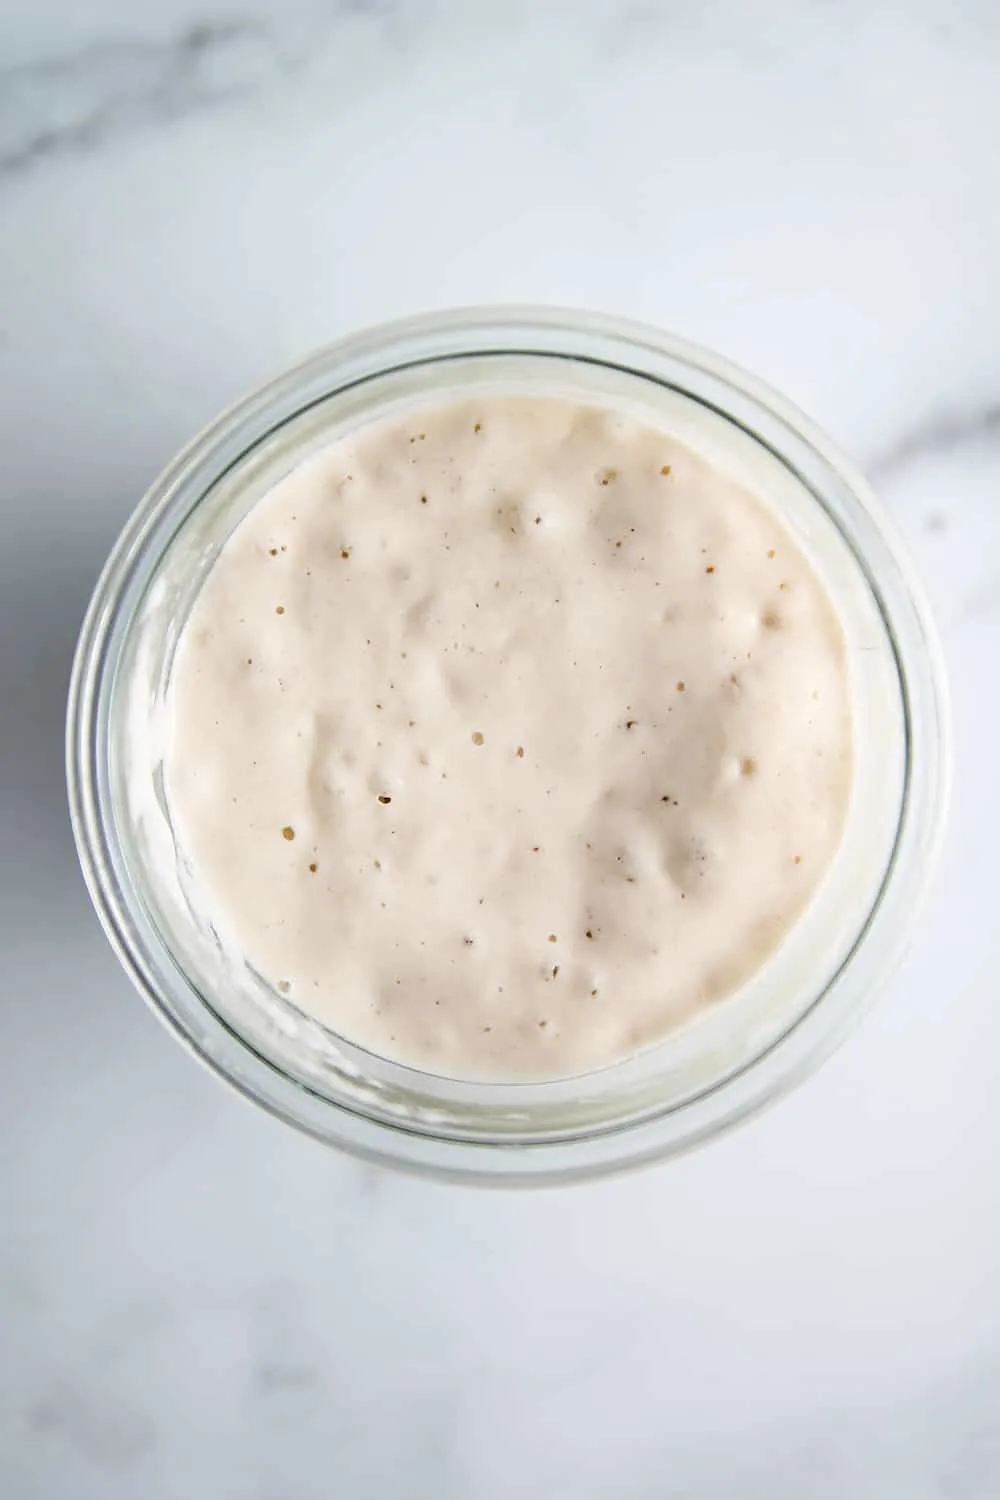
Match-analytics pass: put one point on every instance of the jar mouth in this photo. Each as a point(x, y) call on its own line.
point(667, 1098)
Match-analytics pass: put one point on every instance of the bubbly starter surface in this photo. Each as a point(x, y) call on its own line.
point(508, 734)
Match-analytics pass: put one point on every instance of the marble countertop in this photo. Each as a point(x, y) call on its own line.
point(195, 1301)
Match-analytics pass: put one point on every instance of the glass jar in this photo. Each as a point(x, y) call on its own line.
point(741, 1052)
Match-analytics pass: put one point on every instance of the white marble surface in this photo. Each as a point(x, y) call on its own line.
point(193, 1300)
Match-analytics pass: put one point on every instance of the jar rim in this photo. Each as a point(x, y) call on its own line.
point(635, 350)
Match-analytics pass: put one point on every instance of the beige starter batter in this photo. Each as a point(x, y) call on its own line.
point(506, 735)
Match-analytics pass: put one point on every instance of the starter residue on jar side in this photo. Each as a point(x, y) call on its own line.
point(508, 734)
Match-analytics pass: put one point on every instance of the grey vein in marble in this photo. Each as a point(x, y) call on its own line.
point(72, 105)
point(938, 435)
